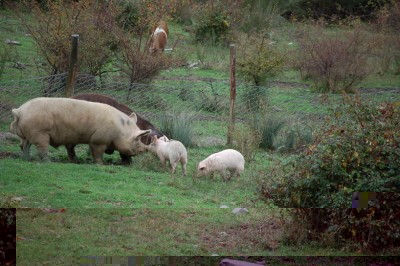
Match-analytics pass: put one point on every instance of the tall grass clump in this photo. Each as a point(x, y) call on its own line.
point(268, 125)
point(178, 126)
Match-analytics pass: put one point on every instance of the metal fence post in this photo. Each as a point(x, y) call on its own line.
point(72, 68)
point(231, 127)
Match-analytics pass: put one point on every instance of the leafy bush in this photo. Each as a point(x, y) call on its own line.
point(335, 63)
point(358, 150)
point(54, 25)
point(258, 59)
point(212, 20)
point(178, 126)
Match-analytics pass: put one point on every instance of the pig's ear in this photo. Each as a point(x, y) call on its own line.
point(143, 133)
point(134, 117)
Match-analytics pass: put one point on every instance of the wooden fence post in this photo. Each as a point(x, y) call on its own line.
point(69, 89)
point(231, 127)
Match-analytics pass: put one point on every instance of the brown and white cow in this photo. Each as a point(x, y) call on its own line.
point(159, 37)
point(62, 121)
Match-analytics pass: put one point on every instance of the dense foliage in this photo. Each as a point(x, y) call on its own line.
point(258, 59)
point(357, 150)
point(335, 63)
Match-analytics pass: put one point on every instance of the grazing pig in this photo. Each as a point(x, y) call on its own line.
point(171, 150)
point(141, 123)
point(63, 121)
point(226, 160)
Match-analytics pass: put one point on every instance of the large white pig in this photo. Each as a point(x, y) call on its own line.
point(64, 121)
point(169, 150)
point(227, 160)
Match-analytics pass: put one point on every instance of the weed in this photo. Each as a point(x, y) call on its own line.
point(178, 126)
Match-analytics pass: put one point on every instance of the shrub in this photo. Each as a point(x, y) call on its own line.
point(358, 150)
point(178, 126)
point(212, 20)
point(335, 63)
point(54, 25)
point(258, 59)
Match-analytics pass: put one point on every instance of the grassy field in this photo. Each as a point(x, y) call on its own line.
point(68, 210)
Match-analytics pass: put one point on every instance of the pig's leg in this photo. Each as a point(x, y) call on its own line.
point(183, 163)
point(97, 152)
point(26, 149)
point(42, 145)
point(223, 174)
point(71, 152)
point(125, 159)
point(173, 167)
point(162, 160)
point(237, 172)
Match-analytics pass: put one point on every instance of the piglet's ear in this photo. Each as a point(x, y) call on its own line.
point(134, 117)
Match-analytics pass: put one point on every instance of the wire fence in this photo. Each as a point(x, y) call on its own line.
point(203, 104)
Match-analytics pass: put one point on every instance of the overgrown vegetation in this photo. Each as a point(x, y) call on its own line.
point(335, 63)
point(357, 150)
point(258, 59)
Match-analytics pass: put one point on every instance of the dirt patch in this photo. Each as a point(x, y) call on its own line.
point(193, 79)
point(288, 85)
point(264, 234)
point(5, 154)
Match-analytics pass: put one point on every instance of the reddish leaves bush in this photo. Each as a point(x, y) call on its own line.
point(335, 63)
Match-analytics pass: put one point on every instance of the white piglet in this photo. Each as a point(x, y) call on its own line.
point(170, 150)
point(227, 160)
